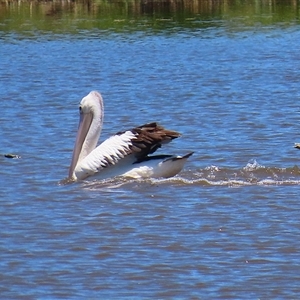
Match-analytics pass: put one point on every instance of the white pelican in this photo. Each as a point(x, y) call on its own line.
point(125, 153)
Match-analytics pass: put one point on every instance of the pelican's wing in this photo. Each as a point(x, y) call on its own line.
point(150, 137)
point(134, 144)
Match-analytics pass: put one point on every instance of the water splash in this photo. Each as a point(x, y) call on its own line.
point(253, 165)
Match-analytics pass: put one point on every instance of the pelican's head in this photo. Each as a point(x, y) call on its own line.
point(91, 103)
point(89, 129)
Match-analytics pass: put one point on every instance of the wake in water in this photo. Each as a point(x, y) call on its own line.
point(251, 174)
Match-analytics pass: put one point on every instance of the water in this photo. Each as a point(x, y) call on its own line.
point(226, 227)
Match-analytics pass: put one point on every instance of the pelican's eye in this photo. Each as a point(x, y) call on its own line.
point(80, 108)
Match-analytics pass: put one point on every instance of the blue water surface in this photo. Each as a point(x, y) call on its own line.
point(226, 227)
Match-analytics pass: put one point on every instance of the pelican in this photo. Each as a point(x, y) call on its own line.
point(124, 154)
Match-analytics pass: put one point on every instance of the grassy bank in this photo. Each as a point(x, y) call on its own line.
point(56, 15)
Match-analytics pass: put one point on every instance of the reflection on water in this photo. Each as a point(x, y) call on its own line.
point(118, 16)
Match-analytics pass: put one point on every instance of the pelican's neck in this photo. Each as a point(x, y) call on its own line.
point(89, 129)
point(91, 139)
point(94, 132)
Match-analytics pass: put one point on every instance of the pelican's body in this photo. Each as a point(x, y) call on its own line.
point(125, 153)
